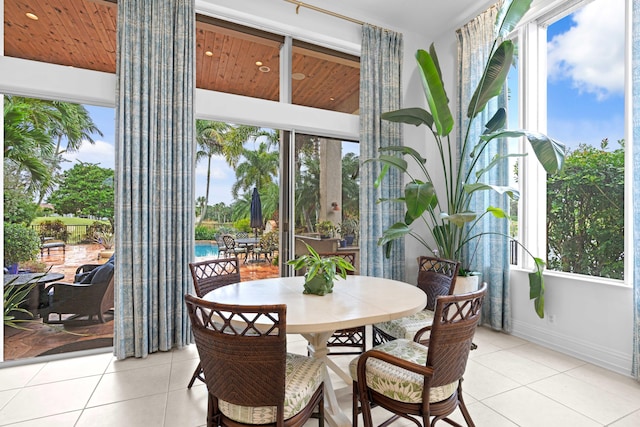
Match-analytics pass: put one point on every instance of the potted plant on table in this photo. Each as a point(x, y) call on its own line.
point(320, 271)
point(446, 211)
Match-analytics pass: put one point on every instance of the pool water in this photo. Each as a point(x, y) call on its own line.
point(206, 250)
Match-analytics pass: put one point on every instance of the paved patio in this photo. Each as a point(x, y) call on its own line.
point(41, 338)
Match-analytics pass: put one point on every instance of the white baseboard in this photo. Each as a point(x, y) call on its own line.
point(591, 352)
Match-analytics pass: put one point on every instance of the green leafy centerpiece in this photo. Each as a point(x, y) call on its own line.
point(321, 271)
point(446, 211)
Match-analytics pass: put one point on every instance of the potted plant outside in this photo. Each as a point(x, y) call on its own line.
point(348, 230)
point(20, 244)
point(446, 211)
point(325, 228)
point(320, 271)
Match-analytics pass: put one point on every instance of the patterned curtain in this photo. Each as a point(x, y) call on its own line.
point(154, 175)
point(635, 147)
point(490, 254)
point(380, 91)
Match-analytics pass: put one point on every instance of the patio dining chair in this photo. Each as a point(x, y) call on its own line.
point(233, 249)
point(250, 377)
point(207, 276)
point(419, 382)
point(436, 277)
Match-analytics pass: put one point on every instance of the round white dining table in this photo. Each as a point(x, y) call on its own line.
point(355, 301)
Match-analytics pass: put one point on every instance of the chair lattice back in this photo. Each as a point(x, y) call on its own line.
point(242, 234)
point(455, 320)
point(214, 273)
point(347, 256)
point(242, 350)
point(350, 337)
point(436, 277)
point(229, 241)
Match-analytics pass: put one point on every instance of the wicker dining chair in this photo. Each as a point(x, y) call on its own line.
point(436, 276)
point(350, 337)
point(207, 276)
point(250, 377)
point(410, 379)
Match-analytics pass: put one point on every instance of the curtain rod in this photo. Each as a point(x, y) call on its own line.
point(325, 11)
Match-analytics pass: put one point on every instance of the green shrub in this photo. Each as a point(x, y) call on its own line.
point(223, 229)
point(20, 243)
point(205, 233)
point(17, 208)
point(56, 229)
point(97, 228)
point(243, 225)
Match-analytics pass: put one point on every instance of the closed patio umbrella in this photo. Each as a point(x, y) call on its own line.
point(256, 211)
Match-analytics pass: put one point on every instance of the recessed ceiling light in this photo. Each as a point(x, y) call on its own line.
point(259, 63)
point(332, 99)
point(298, 76)
point(208, 53)
point(264, 69)
point(32, 16)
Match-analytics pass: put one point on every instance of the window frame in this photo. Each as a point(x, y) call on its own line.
point(532, 110)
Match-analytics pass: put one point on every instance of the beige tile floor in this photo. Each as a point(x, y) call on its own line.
point(509, 382)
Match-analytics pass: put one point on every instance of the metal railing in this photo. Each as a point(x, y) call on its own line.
point(77, 233)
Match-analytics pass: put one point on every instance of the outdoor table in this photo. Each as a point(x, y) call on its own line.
point(42, 279)
point(355, 301)
point(249, 243)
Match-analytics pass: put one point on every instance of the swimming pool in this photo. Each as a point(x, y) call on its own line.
point(206, 249)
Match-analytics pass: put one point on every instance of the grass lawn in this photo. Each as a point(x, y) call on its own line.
point(66, 220)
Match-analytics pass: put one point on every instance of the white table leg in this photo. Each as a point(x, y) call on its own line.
point(318, 349)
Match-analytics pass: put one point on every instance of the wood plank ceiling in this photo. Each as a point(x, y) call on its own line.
point(229, 58)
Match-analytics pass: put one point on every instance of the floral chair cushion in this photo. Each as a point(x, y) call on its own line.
point(398, 383)
point(303, 377)
point(406, 327)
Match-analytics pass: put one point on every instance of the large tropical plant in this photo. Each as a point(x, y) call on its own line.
point(446, 211)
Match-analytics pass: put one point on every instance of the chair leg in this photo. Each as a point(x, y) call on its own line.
point(463, 406)
point(196, 374)
point(354, 406)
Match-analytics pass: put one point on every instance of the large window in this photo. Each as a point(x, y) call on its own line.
point(579, 98)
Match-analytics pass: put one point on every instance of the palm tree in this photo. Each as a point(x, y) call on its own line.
point(259, 169)
point(200, 204)
point(26, 140)
point(218, 138)
point(350, 185)
point(70, 122)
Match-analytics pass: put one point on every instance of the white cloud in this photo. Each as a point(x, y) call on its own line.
point(591, 53)
point(102, 153)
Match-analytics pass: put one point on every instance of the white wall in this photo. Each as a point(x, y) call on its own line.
point(591, 319)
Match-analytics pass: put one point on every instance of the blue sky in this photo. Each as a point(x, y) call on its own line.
point(585, 92)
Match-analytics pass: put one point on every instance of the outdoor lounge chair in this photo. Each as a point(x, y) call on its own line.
point(48, 243)
point(91, 296)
